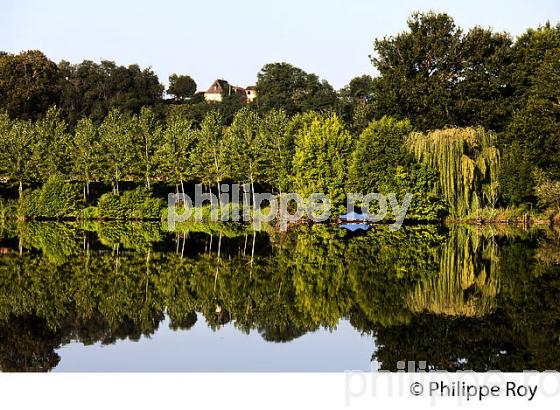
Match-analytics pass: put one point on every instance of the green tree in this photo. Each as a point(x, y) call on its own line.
point(322, 155)
point(52, 144)
point(181, 86)
point(362, 113)
point(527, 55)
point(536, 126)
point(5, 128)
point(436, 75)
point(379, 152)
point(230, 105)
point(148, 134)
point(382, 163)
point(207, 155)
point(417, 67)
point(357, 102)
point(283, 86)
point(548, 193)
point(174, 155)
point(359, 88)
point(516, 175)
point(85, 154)
point(93, 89)
point(274, 146)
point(29, 84)
point(483, 93)
point(117, 141)
point(467, 161)
point(242, 156)
point(18, 139)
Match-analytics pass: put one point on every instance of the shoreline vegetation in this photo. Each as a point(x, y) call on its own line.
point(466, 121)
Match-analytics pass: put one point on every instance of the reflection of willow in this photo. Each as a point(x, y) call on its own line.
point(383, 267)
point(466, 284)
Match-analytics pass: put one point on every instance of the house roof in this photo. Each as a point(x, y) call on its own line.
point(221, 86)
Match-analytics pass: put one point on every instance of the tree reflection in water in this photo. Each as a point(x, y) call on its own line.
point(458, 297)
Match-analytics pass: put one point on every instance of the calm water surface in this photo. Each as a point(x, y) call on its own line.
point(134, 297)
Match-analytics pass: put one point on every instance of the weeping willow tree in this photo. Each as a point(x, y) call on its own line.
point(467, 282)
point(467, 161)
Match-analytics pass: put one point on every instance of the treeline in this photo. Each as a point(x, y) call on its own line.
point(307, 153)
point(432, 76)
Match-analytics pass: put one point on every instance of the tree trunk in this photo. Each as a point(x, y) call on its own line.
point(253, 196)
point(147, 162)
point(184, 196)
point(20, 195)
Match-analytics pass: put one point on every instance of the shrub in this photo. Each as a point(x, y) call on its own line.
point(55, 199)
point(135, 204)
point(548, 193)
point(8, 208)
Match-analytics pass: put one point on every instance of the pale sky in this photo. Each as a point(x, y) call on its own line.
point(233, 39)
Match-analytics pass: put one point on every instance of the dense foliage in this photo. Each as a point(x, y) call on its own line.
point(464, 120)
point(467, 161)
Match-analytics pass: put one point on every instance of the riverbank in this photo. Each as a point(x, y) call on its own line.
point(508, 216)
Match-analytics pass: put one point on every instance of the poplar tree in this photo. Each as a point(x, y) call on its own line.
point(174, 155)
point(207, 155)
point(17, 140)
point(147, 133)
point(85, 151)
point(272, 139)
point(51, 150)
point(117, 142)
point(242, 149)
